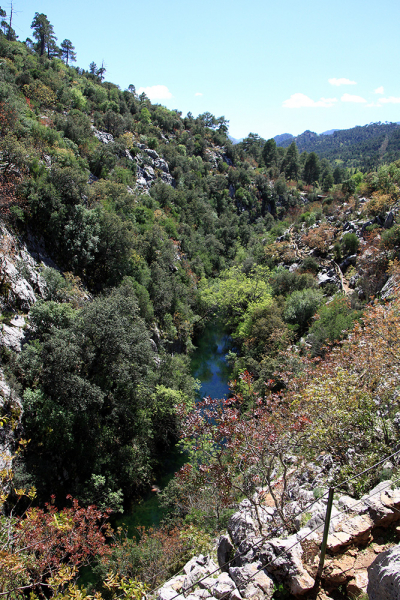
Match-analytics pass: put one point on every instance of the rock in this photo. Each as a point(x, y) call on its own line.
point(207, 583)
point(382, 504)
point(224, 552)
point(252, 592)
point(283, 558)
point(198, 568)
point(241, 524)
point(167, 593)
point(353, 281)
point(329, 277)
point(389, 289)
point(384, 576)
point(349, 530)
point(152, 153)
point(102, 136)
point(389, 220)
point(11, 337)
point(350, 260)
point(358, 585)
point(256, 576)
point(201, 594)
point(223, 587)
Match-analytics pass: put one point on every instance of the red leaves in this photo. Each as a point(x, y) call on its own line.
point(44, 541)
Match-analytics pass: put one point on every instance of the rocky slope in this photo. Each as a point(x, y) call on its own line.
point(254, 565)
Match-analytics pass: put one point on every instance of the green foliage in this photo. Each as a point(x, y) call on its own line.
point(350, 243)
point(333, 322)
point(300, 307)
point(391, 237)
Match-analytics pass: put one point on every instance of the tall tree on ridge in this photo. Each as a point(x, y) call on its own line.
point(43, 32)
point(68, 51)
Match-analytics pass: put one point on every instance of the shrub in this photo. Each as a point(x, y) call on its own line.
point(391, 237)
point(350, 243)
point(333, 320)
point(309, 264)
point(301, 306)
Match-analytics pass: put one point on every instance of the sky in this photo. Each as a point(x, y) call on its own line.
point(269, 67)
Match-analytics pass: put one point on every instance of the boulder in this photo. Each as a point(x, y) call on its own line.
point(384, 576)
point(389, 220)
point(283, 559)
point(224, 552)
point(241, 524)
point(199, 567)
point(382, 504)
point(11, 337)
point(224, 587)
point(252, 576)
point(102, 136)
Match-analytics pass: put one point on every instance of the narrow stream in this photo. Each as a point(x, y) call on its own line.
point(209, 366)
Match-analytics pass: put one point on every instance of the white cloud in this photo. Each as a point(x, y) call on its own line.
point(379, 90)
point(301, 101)
point(198, 94)
point(156, 92)
point(390, 100)
point(351, 98)
point(341, 81)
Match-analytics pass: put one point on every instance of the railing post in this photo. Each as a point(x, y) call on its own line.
point(325, 536)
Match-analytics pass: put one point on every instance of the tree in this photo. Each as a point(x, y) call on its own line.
point(68, 51)
point(101, 71)
point(311, 168)
point(93, 68)
point(291, 162)
point(43, 32)
point(8, 31)
point(269, 153)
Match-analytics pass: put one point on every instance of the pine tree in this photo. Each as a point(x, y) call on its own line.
point(68, 51)
point(43, 32)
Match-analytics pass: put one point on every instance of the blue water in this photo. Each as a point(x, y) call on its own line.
point(209, 364)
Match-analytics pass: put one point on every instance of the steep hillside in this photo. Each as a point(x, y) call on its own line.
point(362, 147)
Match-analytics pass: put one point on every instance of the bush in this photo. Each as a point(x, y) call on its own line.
point(333, 320)
point(301, 306)
point(310, 265)
point(391, 237)
point(350, 243)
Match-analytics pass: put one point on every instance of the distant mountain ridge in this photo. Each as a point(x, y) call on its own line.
point(362, 146)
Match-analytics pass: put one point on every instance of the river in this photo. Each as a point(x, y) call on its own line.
point(209, 366)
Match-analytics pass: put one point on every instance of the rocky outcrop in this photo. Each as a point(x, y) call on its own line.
point(384, 576)
point(151, 168)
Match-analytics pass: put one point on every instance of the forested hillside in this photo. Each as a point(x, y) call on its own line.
point(125, 227)
point(364, 147)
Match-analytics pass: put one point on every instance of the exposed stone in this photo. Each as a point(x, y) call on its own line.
point(241, 525)
point(382, 504)
point(103, 136)
point(384, 576)
point(223, 586)
point(224, 552)
point(358, 585)
point(252, 575)
point(11, 337)
point(347, 530)
point(201, 594)
point(283, 558)
point(389, 220)
point(196, 569)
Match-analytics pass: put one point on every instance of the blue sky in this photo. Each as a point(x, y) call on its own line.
point(268, 67)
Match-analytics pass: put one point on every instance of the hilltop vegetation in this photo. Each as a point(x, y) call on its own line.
point(152, 224)
point(363, 148)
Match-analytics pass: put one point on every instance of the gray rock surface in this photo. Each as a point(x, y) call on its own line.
point(384, 576)
point(224, 552)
